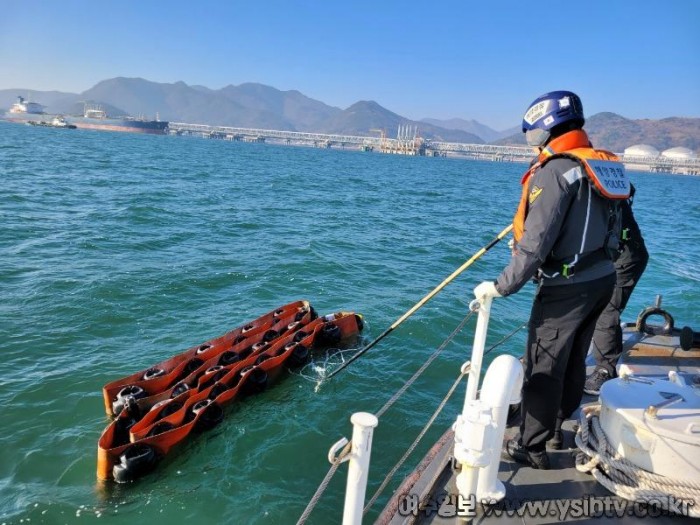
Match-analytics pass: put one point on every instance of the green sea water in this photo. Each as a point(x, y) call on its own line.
point(119, 250)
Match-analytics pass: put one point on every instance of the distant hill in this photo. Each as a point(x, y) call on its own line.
point(247, 105)
point(472, 126)
point(616, 133)
point(260, 106)
point(368, 115)
point(297, 111)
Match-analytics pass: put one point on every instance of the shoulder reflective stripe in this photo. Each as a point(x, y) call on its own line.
point(573, 175)
point(585, 226)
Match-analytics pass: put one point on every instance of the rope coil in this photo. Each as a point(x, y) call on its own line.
point(623, 478)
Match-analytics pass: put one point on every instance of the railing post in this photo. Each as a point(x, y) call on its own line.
point(483, 306)
point(479, 428)
point(358, 467)
point(473, 427)
point(501, 387)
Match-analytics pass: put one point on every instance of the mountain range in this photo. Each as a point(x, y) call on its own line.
point(259, 106)
point(473, 126)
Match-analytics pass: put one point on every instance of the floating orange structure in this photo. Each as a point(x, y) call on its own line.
point(159, 407)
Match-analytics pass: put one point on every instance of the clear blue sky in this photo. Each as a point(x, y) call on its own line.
point(483, 60)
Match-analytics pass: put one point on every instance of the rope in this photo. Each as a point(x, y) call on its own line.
point(505, 338)
point(430, 422)
point(425, 365)
point(623, 478)
point(326, 480)
point(346, 450)
point(322, 487)
point(427, 426)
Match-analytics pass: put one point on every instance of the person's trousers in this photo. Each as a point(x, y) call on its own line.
point(561, 327)
point(607, 337)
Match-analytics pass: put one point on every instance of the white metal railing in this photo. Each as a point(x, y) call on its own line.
point(479, 429)
point(358, 466)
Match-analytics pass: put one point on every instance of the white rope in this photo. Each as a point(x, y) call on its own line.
point(623, 478)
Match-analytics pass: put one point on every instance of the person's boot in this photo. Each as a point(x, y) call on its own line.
point(557, 441)
point(595, 381)
point(537, 460)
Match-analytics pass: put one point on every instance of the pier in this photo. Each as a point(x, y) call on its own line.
point(409, 143)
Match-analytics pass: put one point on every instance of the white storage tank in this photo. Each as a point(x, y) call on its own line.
point(679, 153)
point(641, 150)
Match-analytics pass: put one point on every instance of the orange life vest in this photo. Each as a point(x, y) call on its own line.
point(604, 171)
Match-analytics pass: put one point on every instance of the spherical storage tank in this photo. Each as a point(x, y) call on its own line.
point(641, 150)
point(679, 153)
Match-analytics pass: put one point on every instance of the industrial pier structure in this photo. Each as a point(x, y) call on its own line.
point(407, 142)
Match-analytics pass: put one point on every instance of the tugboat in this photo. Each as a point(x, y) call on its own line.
point(60, 122)
point(56, 122)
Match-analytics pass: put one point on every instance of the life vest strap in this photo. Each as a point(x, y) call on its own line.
point(568, 270)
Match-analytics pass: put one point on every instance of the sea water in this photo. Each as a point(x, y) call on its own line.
point(121, 250)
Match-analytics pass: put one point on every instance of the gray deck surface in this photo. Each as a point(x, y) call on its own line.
point(560, 488)
point(565, 493)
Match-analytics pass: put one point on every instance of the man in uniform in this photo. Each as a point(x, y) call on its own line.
point(629, 266)
point(565, 233)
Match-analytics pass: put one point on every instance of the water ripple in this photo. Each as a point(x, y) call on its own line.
point(121, 250)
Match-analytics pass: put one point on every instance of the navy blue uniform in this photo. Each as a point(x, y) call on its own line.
point(566, 219)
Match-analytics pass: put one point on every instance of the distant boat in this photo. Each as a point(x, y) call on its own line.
point(24, 111)
point(57, 122)
point(60, 122)
point(93, 117)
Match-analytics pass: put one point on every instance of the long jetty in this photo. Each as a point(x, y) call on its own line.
point(407, 144)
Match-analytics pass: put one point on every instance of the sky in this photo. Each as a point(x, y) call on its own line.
point(484, 60)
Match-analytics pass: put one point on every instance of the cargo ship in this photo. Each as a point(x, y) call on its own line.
point(93, 117)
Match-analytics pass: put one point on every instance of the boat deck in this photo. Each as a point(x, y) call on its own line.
point(532, 496)
point(429, 495)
